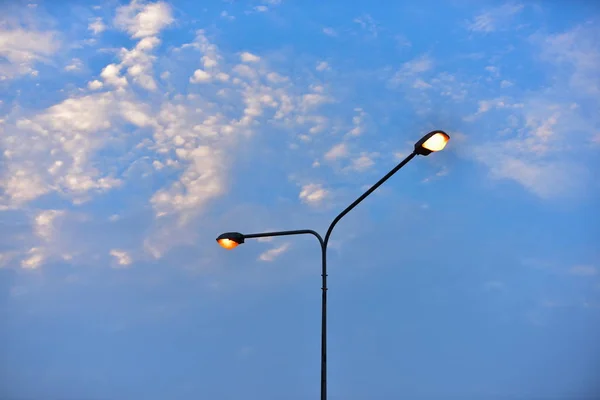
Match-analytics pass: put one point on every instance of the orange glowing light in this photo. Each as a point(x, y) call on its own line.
point(437, 142)
point(228, 243)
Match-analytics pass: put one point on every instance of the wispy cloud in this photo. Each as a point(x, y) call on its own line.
point(583, 270)
point(186, 135)
point(495, 18)
point(577, 52)
point(323, 66)
point(96, 26)
point(273, 253)
point(358, 122)
point(534, 146)
point(143, 20)
point(34, 258)
point(368, 24)
point(227, 16)
point(21, 49)
point(410, 72)
point(122, 258)
point(74, 65)
point(45, 223)
point(249, 57)
point(330, 31)
point(139, 139)
point(313, 193)
point(336, 152)
point(363, 161)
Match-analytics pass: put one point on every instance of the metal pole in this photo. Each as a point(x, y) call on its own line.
point(324, 267)
point(324, 243)
point(324, 322)
point(323, 298)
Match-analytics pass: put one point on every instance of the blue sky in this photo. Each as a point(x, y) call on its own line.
point(132, 134)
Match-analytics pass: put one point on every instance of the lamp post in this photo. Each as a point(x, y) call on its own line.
point(432, 142)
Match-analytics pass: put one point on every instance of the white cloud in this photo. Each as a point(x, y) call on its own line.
point(272, 254)
point(142, 20)
point(363, 162)
point(412, 70)
point(421, 84)
point(274, 77)
point(442, 172)
point(494, 19)
point(209, 62)
point(21, 184)
point(59, 149)
point(114, 218)
point(112, 75)
point(261, 8)
point(314, 99)
point(147, 43)
point(222, 76)
point(34, 260)
point(484, 106)
point(61, 140)
point(121, 257)
point(577, 52)
point(245, 71)
point(135, 113)
point(200, 76)
point(75, 65)
point(96, 26)
point(498, 103)
point(358, 122)
point(330, 32)
point(95, 85)
point(338, 151)
point(313, 193)
point(420, 64)
point(21, 49)
point(139, 62)
point(535, 148)
point(545, 178)
point(323, 66)
point(45, 223)
point(202, 180)
point(249, 57)
point(226, 15)
point(495, 71)
point(368, 24)
point(200, 139)
point(506, 83)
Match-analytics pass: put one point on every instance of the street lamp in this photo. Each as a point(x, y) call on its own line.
point(432, 142)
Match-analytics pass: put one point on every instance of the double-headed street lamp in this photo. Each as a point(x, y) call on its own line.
point(433, 141)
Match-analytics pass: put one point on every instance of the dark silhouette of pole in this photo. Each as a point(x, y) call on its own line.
point(431, 142)
point(323, 243)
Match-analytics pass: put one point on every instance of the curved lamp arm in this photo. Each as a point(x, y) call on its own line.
point(433, 141)
point(365, 194)
point(286, 233)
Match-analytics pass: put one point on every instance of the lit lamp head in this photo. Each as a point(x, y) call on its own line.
point(433, 141)
point(230, 240)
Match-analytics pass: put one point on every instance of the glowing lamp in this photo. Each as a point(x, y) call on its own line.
point(433, 141)
point(230, 240)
